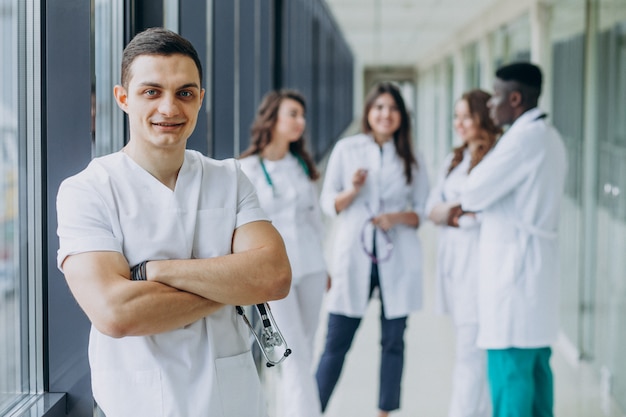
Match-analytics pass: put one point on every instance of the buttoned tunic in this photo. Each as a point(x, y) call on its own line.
point(198, 370)
point(385, 190)
point(518, 187)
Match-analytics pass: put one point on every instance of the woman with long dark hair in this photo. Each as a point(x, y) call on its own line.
point(457, 258)
point(376, 188)
point(284, 175)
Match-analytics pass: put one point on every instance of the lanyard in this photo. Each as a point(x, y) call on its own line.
point(268, 178)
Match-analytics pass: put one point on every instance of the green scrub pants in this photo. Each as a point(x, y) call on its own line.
point(521, 383)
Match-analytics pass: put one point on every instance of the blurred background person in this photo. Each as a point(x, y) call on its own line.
point(518, 188)
point(377, 189)
point(457, 255)
point(284, 176)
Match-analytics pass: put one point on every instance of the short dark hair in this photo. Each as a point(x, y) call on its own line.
point(525, 78)
point(522, 72)
point(157, 41)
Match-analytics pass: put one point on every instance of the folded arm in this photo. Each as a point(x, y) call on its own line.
point(257, 271)
point(118, 307)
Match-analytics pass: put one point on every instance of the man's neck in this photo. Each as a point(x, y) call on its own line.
point(163, 165)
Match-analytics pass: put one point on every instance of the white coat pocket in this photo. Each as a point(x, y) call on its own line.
point(213, 233)
point(239, 386)
point(128, 393)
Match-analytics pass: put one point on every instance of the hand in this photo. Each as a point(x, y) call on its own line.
point(384, 221)
point(453, 215)
point(328, 282)
point(456, 213)
point(358, 179)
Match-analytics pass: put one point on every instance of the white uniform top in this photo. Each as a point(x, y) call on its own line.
point(457, 254)
point(518, 187)
point(291, 203)
point(384, 190)
point(206, 367)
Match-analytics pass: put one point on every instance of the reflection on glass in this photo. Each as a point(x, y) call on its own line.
point(10, 329)
point(108, 118)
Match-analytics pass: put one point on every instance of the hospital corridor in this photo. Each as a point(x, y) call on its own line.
point(166, 165)
point(429, 362)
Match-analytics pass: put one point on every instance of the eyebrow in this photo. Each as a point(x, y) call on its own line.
point(158, 85)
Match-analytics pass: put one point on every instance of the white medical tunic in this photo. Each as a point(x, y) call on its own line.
point(518, 187)
point(457, 254)
point(205, 368)
point(385, 190)
point(290, 199)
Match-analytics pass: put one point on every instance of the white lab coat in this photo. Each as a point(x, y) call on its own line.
point(401, 274)
point(204, 368)
point(290, 199)
point(457, 254)
point(457, 292)
point(518, 187)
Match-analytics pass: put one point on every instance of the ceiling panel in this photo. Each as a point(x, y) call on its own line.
point(401, 32)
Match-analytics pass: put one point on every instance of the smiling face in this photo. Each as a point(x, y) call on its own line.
point(290, 121)
point(465, 124)
point(384, 117)
point(162, 100)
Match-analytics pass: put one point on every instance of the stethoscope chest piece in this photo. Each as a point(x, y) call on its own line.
point(269, 338)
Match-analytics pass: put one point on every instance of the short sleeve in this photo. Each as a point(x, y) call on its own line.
point(83, 221)
point(248, 206)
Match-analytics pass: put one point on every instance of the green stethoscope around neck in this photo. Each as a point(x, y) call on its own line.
point(268, 178)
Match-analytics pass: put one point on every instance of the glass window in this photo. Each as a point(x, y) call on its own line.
point(12, 324)
point(19, 127)
point(512, 42)
point(472, 66)
point(567, 35)
point(108, 119)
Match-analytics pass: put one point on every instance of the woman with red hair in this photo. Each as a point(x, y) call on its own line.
point(457, 258)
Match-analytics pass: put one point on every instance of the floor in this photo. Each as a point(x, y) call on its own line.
point(428, 366)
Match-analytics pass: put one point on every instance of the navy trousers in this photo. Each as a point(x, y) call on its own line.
point(341, 331)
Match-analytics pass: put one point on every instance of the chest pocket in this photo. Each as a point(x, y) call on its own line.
point(213, 232)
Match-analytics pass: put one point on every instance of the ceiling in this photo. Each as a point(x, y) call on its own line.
point(402, 32)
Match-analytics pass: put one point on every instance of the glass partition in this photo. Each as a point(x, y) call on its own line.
point(610, 332)
point(11, 383)
point(567, 36)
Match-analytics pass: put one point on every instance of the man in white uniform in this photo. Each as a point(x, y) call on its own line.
point(166, 339)
point(518, 187)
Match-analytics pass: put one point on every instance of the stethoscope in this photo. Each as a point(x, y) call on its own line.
point(270, 336)
point(388, 243)
point(268, 178)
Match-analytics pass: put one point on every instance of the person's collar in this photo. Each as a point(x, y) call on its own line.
point(386, 144)
point(529, 116)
